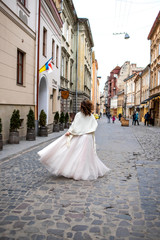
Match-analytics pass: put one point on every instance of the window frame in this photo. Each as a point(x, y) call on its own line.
point(57, 56)
point(44, 52)
point(23, 2)
point(18, 67)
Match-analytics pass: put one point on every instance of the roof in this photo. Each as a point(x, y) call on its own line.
point(156, 22)
point(131, 76)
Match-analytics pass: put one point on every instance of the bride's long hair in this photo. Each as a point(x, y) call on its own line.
point(86, 107)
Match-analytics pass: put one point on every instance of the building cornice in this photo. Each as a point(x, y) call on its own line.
point(156, 22)
point(14, 18)
point(85, 22)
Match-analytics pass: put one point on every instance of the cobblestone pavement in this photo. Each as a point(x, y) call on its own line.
point(124, 204)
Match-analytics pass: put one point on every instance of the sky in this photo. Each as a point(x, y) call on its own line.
point(109, 17)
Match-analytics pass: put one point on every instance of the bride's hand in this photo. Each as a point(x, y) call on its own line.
point(67, 133)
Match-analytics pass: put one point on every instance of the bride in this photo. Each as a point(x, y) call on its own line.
point(73, 155)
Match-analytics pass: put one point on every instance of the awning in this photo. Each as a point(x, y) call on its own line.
point(150, 98)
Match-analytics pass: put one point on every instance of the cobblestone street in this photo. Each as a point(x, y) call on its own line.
point(124, 204)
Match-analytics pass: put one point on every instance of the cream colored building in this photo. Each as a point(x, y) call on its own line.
point(68, 54)
point(129, 95)
point(50, 46)
point(23, 32)
point(102, 103)
point(144, 92)
point(124, 73)
point(138, 91)
point(17, 61)
point(84, 61)
point(154, 104)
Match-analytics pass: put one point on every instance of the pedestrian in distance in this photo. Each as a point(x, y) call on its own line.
point(146, 119)
point(136, 119)
point(73, 155)
point(133, 118)
point(120, 115)
point(113, 119)
point(108, 116)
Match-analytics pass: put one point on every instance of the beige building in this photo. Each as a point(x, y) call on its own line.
point(137, 99)
point(124, 73)
point(120, 102)
point(144, 92)
point(68, 54)
point(102, 103)
point(129, 95)
point(84, 61)
point(154, 103)
point(17, 61)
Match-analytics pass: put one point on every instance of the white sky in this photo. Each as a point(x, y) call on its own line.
point(106, 17)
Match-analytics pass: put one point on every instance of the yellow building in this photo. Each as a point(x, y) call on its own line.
point(120, 102)
point(154, 104)
point(129, 95)
point(84, 61)
point(137, 99)
point(94, 81)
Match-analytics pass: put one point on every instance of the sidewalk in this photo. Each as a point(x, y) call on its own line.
point(9, 150)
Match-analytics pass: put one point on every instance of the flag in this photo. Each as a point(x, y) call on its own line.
point(47, 66)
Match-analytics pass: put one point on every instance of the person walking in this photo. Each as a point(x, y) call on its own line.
point(136, 119)
point(73, 155)
point(108, 116)
point(120, 115)
point(146, 119)
point(113, 119)
point(133, 118)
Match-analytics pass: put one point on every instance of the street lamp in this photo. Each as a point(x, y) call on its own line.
point(126, 36)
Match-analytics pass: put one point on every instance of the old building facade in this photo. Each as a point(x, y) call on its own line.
point(49, 46)
point(144, 92)
point(154, 103)
point(17, 53)
point(112, 90)
point(94, 81)
point(68, 57)
point(84, 61)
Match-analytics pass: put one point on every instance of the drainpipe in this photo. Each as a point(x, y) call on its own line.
point(37, 60)
point(77, 65)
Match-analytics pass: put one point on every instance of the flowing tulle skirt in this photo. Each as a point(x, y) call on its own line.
point(78, 161)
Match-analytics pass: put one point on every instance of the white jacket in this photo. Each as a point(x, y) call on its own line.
point(82, 125)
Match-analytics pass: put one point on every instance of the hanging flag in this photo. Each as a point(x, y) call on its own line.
point(47, 66)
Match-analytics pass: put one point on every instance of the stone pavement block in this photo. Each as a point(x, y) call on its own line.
point(124, 204)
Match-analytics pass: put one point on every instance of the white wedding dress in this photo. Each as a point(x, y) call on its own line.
point(74, 156)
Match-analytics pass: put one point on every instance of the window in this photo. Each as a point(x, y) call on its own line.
point(158, 78)
point(53, 49)
point(71, 72)
point(62, 66)
point(57, 56)
point(44, 42)
point(20, 60)
point(66, 75)
point(154, 80)
point(23, 2)
point(67, 36)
